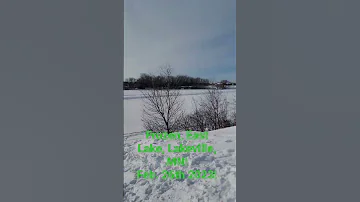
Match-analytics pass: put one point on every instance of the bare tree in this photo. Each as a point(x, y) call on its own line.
point(233, 113)
point(163, 105)
point(210, 112)
point(215, 108)
point(197, 120)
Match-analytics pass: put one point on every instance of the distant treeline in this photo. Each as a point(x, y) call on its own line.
point(181, 81)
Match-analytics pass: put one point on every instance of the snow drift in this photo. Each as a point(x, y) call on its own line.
point(207, 190)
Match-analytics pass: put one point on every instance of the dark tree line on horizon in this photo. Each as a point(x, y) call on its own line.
point(181, 81)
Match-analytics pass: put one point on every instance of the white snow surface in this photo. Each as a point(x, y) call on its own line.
point(221, 189)
point(133, 106)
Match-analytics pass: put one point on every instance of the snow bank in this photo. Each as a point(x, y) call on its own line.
point(223, 188)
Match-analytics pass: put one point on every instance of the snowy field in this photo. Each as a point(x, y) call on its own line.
point(221, 189)
point(133, 106)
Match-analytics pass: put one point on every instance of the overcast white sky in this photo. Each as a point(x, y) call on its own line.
point(196, 37)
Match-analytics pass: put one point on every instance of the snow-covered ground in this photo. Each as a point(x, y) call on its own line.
point(133, 106)
point(221, 189)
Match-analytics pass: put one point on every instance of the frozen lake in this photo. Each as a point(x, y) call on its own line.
point(133, 106)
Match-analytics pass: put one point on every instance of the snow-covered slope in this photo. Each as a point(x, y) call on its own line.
point(220, 189)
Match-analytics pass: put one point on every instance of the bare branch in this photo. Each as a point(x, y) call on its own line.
point(163, 105)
